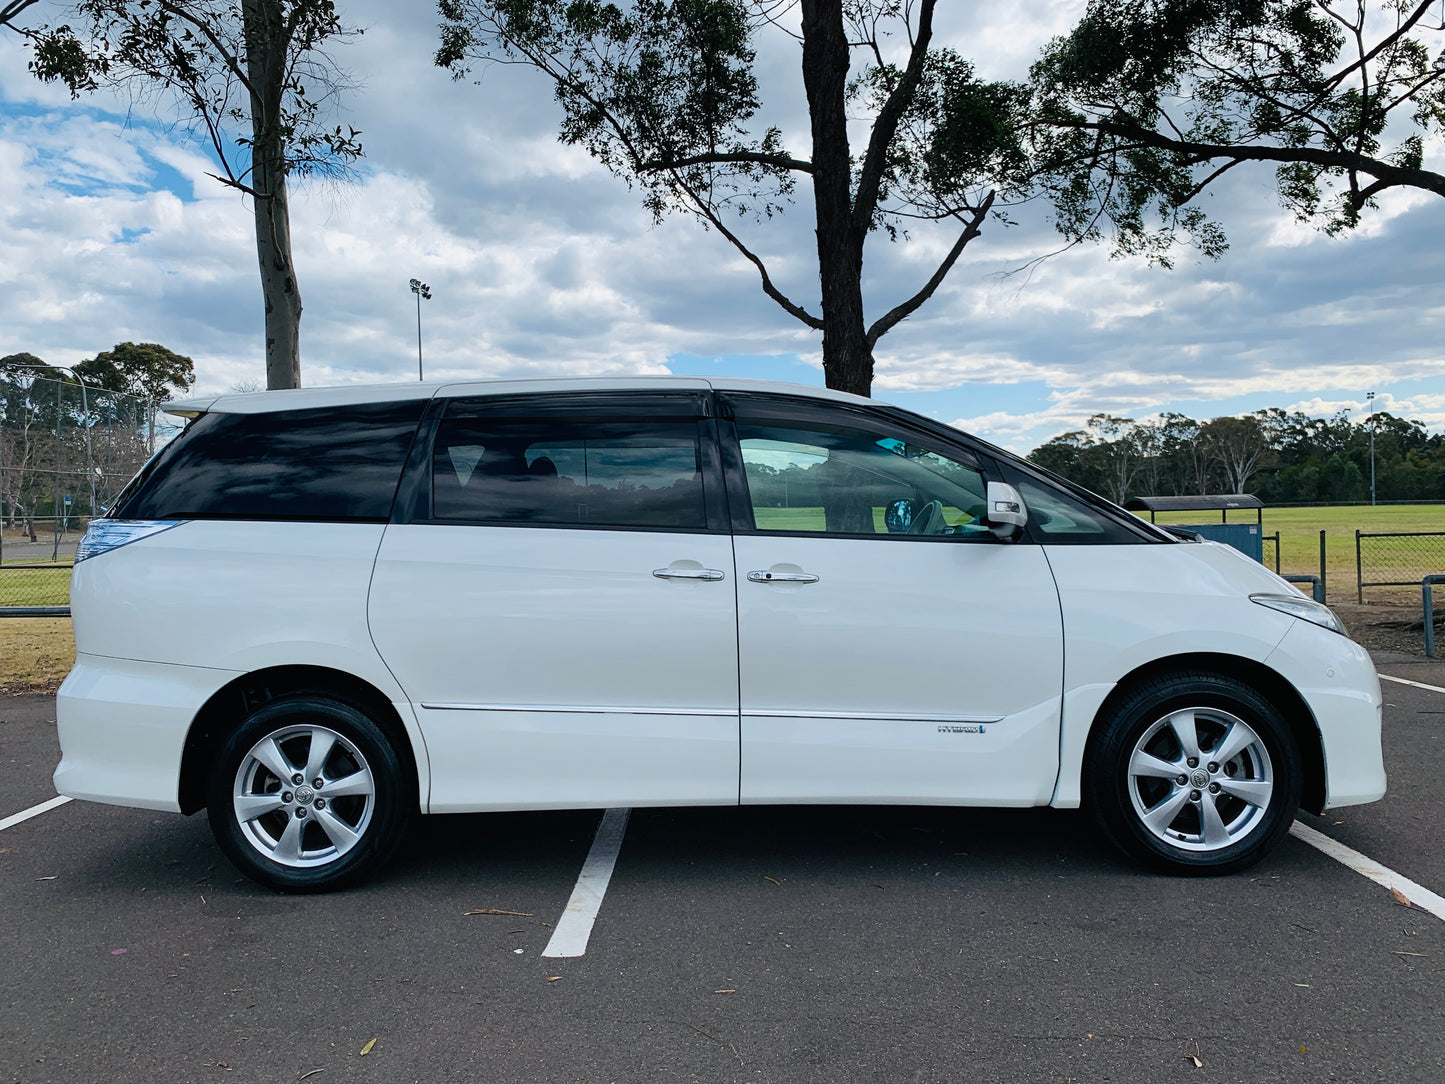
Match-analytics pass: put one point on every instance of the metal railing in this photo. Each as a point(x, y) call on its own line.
point(1425, 590)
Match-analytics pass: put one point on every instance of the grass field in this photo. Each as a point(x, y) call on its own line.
point(35, 652)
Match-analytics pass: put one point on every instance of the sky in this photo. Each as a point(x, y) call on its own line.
point(541, 263)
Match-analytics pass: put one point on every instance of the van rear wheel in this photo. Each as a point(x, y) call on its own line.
point(1195, 773)
point(308, 795)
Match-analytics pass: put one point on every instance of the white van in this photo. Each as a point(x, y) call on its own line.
point(319, 612)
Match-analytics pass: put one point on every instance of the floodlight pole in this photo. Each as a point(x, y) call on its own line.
point(1370, 399)
point(422, 290)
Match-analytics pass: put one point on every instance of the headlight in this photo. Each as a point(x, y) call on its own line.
point(1305, 609)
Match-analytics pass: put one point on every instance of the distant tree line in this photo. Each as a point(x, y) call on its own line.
point(1279, 456)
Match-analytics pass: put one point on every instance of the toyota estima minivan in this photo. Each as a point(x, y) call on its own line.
point(317, 613)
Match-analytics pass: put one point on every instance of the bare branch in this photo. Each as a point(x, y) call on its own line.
point(11, 9)
point(901, 312)
point(780, 161)
point(790, 307)
point(1202, 185)
point(1337, 159)
point(870, 177)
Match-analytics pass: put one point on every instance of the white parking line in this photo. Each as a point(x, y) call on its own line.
point(1418, 895)
point(1416, 684)
point(34, 811)
point(575, 925)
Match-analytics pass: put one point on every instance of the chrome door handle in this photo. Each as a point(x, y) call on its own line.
point(687, 573)
point(781, 577)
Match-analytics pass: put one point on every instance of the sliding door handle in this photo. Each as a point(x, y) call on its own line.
point(781, 577)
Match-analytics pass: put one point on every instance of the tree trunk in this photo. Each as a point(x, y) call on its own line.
point(847, 361)
point(266, 49)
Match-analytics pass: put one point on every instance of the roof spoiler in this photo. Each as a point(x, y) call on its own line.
point(189, 408)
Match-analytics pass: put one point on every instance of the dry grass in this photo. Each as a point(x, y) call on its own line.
point(35, 653)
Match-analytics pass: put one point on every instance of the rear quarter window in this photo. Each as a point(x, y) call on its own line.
point(332, 463)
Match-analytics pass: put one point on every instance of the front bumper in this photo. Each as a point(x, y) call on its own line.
point(1339, 684)
point(123, 727)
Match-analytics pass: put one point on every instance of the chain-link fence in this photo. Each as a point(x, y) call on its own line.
point(66, 451)
point(1269, 547)
point(1397, 560)
point(35, 590)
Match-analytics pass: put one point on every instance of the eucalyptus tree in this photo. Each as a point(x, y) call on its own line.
point(258, 88)
point(1147, 103)
point(664, 93)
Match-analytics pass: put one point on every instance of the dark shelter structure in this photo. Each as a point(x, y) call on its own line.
point(1248, 538)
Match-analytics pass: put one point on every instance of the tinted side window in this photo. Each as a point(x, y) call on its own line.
point(331, 463)
point(572, 472)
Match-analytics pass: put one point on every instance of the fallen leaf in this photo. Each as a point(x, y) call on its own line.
point(310, 1072)
point(1304, 1050)
point(1400, 897)
point(1197, 1063)
point(118, 951)
point(365, 1050)
point(494, 911)
point(776, 882)
point(554, 978)
point(724, 991)
point(1305, 985)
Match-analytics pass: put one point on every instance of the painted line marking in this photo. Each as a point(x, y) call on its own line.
point(1418, 895)
point(34, 811)
point(1416, 684)
point(575, 925)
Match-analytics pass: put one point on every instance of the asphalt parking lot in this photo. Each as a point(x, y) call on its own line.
point(757, 944)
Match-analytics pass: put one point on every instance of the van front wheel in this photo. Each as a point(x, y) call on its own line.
point(307, 795)
point(1195, 773)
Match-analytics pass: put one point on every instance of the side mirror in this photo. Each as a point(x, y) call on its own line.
point(898, 516)
point(1007, 514)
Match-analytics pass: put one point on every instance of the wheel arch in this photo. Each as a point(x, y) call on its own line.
point(1269, 683)
point(229, 705)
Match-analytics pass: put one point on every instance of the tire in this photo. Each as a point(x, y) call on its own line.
point(1230, 809)
point(301, 837)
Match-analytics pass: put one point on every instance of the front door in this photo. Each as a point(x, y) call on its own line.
point(561, 614)
point(891, 648)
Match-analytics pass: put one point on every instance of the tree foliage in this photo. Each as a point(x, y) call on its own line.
point(258, 87)
point(1146, 103)
point(664, 94)
point(147, 371)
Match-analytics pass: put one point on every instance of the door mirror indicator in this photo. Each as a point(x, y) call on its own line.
point(1007, 514)
point(898, 516)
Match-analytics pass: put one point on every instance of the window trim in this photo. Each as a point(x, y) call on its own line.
point(788, 411)
point(414, 503)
